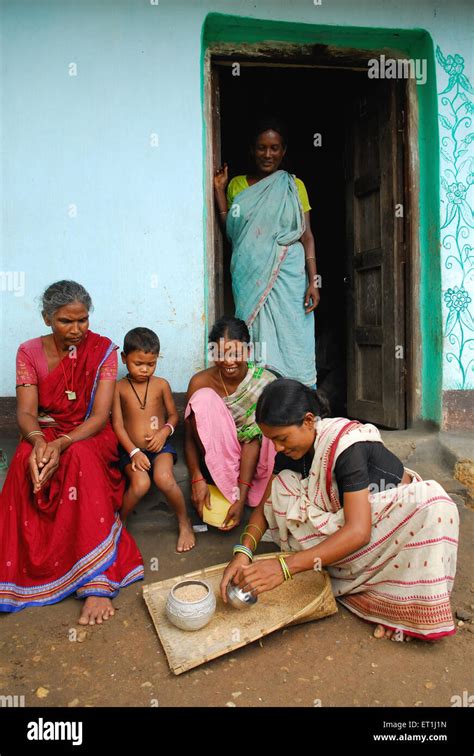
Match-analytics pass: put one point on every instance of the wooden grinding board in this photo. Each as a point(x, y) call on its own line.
point(305, 598)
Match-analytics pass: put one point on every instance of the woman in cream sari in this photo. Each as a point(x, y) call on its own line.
point(387, 538)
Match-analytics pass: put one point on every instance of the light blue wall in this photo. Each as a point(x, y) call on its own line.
point(85, 140)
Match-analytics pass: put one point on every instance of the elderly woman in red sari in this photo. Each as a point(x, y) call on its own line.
point(60, 531)
point(340, 499)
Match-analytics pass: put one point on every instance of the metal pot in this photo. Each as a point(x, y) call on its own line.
point(238, 598)
point(190, 615)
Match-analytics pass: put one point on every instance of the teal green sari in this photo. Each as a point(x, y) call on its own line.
point(264, 224)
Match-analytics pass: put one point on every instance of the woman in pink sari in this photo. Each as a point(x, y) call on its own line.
point(60, 531)
point(340, 500)
point(223, 443)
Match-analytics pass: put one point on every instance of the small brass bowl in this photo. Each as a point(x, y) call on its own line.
point(238, 598)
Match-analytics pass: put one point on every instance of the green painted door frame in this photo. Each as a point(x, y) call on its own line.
point(225, 34)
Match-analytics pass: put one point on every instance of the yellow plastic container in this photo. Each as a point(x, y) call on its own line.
point(220, 507)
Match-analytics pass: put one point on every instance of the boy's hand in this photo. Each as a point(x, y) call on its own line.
point(157, 440)
point(140, 462)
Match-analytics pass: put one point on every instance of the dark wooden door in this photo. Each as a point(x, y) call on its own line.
point(375, 256)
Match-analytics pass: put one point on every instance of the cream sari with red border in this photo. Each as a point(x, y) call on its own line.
point(403, 577)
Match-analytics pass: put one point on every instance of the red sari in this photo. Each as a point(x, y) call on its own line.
point(68, 537)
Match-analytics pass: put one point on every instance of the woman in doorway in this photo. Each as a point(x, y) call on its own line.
point(222, 440)
point(60, 530)
point(273, 267)
point(343, 501)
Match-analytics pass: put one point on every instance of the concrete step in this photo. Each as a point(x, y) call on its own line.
point(444, 457)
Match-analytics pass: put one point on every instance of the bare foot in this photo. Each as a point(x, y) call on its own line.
point(96, 609)
point(400, 636)
point(186, 538)
point(384, 632)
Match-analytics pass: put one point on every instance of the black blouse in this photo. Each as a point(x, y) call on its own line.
point(366, 464)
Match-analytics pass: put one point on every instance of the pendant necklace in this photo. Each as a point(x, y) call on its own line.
point(222, 381)
point(140, 402)
point(70, 393)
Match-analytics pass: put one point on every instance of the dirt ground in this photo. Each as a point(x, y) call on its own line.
point(332, 662)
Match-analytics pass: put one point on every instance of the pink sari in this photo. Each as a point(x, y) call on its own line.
point(223, 449)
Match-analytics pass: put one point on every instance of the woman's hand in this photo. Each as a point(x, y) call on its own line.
point(157, 440)
point(47, 464)
point(200, 496)
point(311, 295)
point(233, 516)
point(37, 457)
point(233, 570)
point(261, 576)
point(140, 462)
point(221, 177)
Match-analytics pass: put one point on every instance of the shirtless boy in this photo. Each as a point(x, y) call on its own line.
point(144, 417)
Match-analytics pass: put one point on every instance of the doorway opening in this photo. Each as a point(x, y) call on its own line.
point(346, 143)
point(286, 92)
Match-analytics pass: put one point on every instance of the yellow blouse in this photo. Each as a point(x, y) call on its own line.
point(239, 183)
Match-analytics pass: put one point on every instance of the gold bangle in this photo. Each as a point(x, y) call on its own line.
point(311, 257)
point(64, 435)
point(34, 433)
point(252, 525)
point(250, 536)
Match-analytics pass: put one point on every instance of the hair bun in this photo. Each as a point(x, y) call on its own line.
point(286, 402)
point(323, 402)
